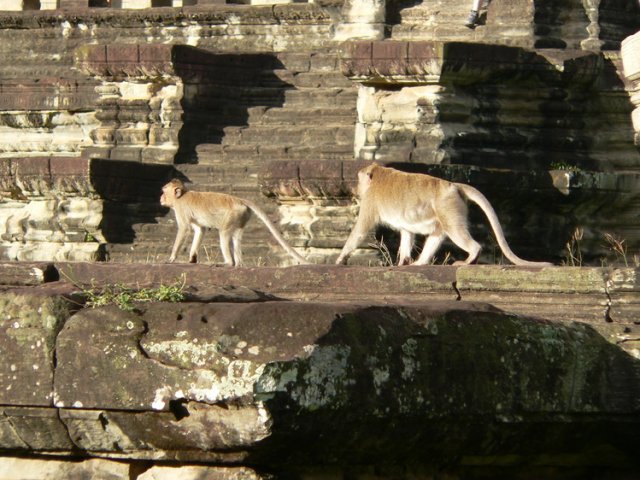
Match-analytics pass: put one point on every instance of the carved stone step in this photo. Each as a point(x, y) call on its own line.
point(225, 155)
point(293, 135)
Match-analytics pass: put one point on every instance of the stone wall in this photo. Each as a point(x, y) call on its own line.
point(404, 372)
point(231, 91)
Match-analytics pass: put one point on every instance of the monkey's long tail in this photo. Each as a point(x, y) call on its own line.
point(479, 199)
point(274, 231)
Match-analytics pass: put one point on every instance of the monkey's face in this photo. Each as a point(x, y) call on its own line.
point(171, 192)
point(167, 198)
point(364, 181)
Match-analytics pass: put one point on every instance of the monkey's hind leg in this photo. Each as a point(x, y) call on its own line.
point(461, 237)
point(236, 247)
point(225, 247)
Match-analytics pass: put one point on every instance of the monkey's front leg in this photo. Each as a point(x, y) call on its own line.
point(180, 236)
point(356, 237)
point(406, 245)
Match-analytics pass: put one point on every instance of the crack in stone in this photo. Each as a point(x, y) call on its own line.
point(454, 285)
point(607, 311)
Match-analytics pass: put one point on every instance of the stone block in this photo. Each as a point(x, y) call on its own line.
point(12, 5)
point(322, 178)
point(155, 53)
point(29, 326)
point(281, 178)
point(27, 274)
point(73, 4)
point(39, 428)
point(285, 384)
point(17, 468)
point(201, 472)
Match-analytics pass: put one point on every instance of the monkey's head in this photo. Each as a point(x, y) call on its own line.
point(171, 192)
point(365, 177)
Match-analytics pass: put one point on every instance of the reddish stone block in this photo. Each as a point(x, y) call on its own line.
point(33, 166)
point(121, 53)
point(71, 4)
point(155, 53)
point(326, 169)
point(281, 170)
point(389, 50)
point(354, 68)
point(94, 53)
point(423, 51)
point(359, 50)
point(69, 166)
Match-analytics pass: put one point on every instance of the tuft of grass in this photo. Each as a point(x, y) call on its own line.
point(574, 253)
point(125, 297)
point(619, 247)
point(383, 250)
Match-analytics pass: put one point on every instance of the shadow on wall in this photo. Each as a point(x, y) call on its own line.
point(244, 86)
point(529, 114)
point(427, 390)
point(131, 193)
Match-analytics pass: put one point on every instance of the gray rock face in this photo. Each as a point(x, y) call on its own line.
point(248, 382)
point(401, 383)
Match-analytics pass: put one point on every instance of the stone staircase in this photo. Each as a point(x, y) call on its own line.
point(523, 23)
point(445, 19)
point(304, 111)
point(309, 115)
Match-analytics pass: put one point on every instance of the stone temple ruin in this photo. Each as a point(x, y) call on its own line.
point(308, 372)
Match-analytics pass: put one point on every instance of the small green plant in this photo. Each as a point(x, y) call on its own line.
point(574, 253)
point(125, 297)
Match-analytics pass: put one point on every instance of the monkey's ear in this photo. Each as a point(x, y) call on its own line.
point(177, 192)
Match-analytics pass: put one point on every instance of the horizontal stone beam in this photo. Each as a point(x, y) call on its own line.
point(21, 178)
point(420, 62)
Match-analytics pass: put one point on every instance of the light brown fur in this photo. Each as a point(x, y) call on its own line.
point(224, 212)
point(421, 204)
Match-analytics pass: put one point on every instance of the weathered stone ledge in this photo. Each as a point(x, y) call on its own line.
point(148, 61)
point(21, 178)
point(286, 386)
point(608, 299)
point(294, 13)
point(441, 62)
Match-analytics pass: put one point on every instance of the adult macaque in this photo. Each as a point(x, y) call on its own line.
point(421, 204)
point(227, 213)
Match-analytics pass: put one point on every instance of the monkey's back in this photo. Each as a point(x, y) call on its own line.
point(409, 189)
point(217, 210)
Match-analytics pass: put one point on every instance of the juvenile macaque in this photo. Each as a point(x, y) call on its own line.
point(227, 213)
point(421, 204)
